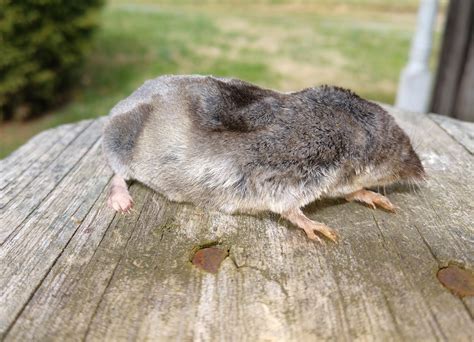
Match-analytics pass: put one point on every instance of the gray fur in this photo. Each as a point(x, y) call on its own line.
point(231, 145)
point(121, 135)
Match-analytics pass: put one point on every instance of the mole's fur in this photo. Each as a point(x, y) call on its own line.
point(231, 145)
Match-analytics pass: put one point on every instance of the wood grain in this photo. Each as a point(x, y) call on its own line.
point(17, 173)
point(25, 157)
point(45, 181)
point(75, 270)
point(461, 131)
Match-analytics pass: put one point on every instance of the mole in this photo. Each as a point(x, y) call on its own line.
point(229, 145)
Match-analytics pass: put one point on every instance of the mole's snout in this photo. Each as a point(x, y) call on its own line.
point(411, 167)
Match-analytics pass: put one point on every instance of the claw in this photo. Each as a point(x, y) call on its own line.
point(322, 229)
point(121, 202)
point(384, 203)
point(372, 199)
point(331, 235)
point(310, 234)
point(310, 227)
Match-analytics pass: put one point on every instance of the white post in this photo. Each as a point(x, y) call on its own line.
point(414, 89)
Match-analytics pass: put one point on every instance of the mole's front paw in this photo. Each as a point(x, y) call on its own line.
point(371, 198)
point(120, 201)
point(383, 202)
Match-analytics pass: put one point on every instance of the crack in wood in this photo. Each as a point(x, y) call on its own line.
point(261, 272)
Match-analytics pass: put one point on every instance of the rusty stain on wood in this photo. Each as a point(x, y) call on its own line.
point(209, 259)
point(457, 280)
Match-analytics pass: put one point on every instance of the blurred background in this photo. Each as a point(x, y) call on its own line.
point(64, 61)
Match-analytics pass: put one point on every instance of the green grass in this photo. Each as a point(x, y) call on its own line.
point(360, 44)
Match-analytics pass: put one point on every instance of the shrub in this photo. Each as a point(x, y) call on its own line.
point(42, 44)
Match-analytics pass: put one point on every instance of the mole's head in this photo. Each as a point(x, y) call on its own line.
point(396, 160)
point(408, 166)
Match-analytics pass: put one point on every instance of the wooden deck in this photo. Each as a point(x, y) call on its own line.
point(72, 269)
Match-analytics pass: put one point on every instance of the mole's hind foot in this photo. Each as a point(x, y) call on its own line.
point(120, 201)
point(371, 198)
point(310, 227)
point(322, 229)
point(119, 197)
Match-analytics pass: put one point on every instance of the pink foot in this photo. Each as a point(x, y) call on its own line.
point(120, 201)
point(371, 198)
point(119, 197)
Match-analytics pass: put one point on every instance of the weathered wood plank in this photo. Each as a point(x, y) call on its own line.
point(445, 203)
point(130, 277)
point(461, 131)
point(447, 228)
point(26, 154)
point(46, 180)
point(66, 301)
point(22, 159)
point(28, 256)
point(17, 173)
point(18, 161)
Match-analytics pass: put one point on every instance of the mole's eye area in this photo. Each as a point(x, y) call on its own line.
point(411, 167)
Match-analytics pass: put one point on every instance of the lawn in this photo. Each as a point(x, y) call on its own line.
point(359, 44)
